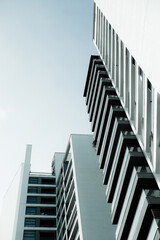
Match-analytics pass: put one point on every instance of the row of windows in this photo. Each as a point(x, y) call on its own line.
point(41, 200)
point(31, 235)
point(40, 211)
point(32, 222)
point(41, 190)
point(36, 180)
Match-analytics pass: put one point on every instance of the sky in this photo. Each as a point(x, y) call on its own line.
point(45, 47)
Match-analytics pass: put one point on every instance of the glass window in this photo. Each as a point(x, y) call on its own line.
point(32, 200)
point(30, 222)
point(30, 211)
point(32, 190)
point(48, 181)
point(33, 180)
point(29, 235)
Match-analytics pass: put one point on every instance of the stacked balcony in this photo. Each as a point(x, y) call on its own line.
point(130, 185)
point(40, 216)
point(67, 221)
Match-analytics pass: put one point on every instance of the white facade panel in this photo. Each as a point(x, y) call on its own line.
point(10, 208)
point(137, 25)
point(93, 212)
point(13, 211)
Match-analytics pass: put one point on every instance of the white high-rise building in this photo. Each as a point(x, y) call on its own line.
point(29, 209)
point(131, 186)
point(127, 37)
point(123, 101)
point(81, 209)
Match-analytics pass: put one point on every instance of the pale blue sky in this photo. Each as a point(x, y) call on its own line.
point(45, 46)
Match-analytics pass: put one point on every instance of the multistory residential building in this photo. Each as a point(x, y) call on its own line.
point(123, 101)
point(124, 37)
point(131, 185)
point(29, 210)
point(40, 212)
point(81, 208)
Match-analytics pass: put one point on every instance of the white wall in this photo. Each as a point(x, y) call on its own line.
point(58, 158)
point(93, 211)
point(10, 208)
point(13, 210)
point(137, 24)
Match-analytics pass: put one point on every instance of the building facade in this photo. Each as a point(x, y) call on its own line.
point(29, 209)
point(123, 102)
point(40, 212)
point(131, 185)
point(127, 51)
point(81, 209)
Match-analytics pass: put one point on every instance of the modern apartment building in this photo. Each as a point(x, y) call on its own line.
point(123, 101)
point(40, 212)
point(81, 209)
point(122, 35)
point(29, 210)
point(131, 184)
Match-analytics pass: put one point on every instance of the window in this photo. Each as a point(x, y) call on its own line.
point(47, 223)
point(31, 211)
point(32, 200)
point(48, 211)
point(48, 200)
point(32, 190)
point(30, 222)
point(33, 180)
point(48, 181)
point(48, 235)
point(29, 235)
point(48, 190)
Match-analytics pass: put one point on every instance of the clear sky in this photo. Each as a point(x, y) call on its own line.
point(45, 46)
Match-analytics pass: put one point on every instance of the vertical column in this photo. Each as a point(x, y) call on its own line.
point(132, 90)
point(157, 133)
point(122, 70)
point(117, 62)
point(110, 50)
point(113, 56)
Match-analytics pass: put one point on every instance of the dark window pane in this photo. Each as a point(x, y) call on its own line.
point(30, 211)
point(31, 199)
point(29, 235)
point(48, 181)
point(30, 222)
point(32, 190)
point(33, 180)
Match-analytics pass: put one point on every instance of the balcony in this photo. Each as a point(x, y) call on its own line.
point(101, 78)
point(120, 124)
point(115, 112)
point(111, 101)
point(133, 157)
point(94, 112)
point(141, 178)
point(126, 139)
point(148, 210)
